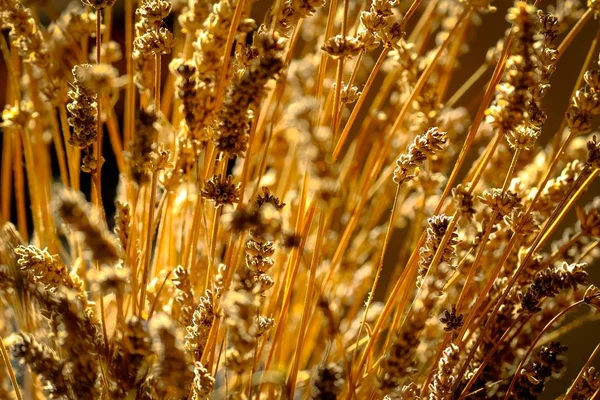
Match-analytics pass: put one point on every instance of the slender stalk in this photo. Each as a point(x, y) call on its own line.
point(532, 346)
point(583, 370)
point(467, 85)
point(324, 57)
point(496, 76)
point(221, 82)
point(148, 246)
point(11, 372)
point(361, 99)
point(291, 382)
point(377, 273)
point(98, 147)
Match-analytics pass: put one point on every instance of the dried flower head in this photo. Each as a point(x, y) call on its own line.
point(221, 190)
point(99, 4)
point(424, 146)
point(451, 320)
point(593, 159)
point(501, 202)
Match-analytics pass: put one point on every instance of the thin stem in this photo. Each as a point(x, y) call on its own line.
point(573, 33)
point(324, 58)
point(467, 85)
point(11, 372)
point(98, 149)
point(583, 370)
point(221, 82)
point(359, 103)
point(532, 347)
point(148, 247)
point(291, 382)
point(488, 357)
point(157, 81)
point(496, 76)
point(378, 272)
point(578, 187)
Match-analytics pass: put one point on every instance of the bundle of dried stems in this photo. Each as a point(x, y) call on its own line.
point(263, 169)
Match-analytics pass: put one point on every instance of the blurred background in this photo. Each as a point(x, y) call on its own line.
point(580, 341)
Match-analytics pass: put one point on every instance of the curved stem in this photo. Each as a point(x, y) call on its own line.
point(580, 375)
point(532, 347)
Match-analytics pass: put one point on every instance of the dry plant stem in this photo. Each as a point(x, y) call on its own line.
point(6, 169)
point(221, 82)
point(354, 218)
point(532, 346)
point(411, 11)
point(496, 76)
point(449, 68)
point(563, 124)
point(337, 115)
point(488, 357)
point(115, 140)
point(6, 176)
point(98, 149)
point(291, 381)
point(382, 95)
point(157, 81)
point(558, 137)
point(11, 372)
point(324, 57)
point(588, 249)
point(467, 85)
point(247, 160)
point(73, 154)
point(428, 70)
point(215, 227)
point(103, 322)
point(589, 177)
point(361, 99)
point(20, 187)
point(160, 289)
point(148, 246)
point(424, 23)
point(339, 74)
point(556, 216)
point(479, 254)
point(573, 33)
point(19, 182)
point(36, 213)
point(128, 127)
point(277, 93)
point(569, 327)
point(580, 375)
point(337, 91)
point(377, 273)
point(402, 286)
point(559, 252)
point(58, 147)
point(476, 171)
point(596, 395)
point(189, 257)
point(284, 293)
point(12, 74)
point(213, 244)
